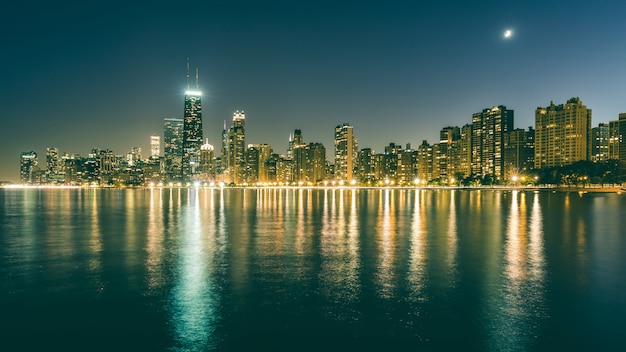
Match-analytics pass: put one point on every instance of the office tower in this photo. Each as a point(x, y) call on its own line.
point(366, 166)
point(133, 157)
point(425, 162)
point(251, 174)
point(316, 168)
point(108, 167)
point(562, 134)
point(300, 162)
point(390, 162)
point(265, 151)
point(407, 165)
point(207, 162)
point(519, 152)
point(488, 129)
point(192, 131)
point(614, 140)
point(622, 140)
point(173, 148)
point(155, 146)
point(463, 161)
point(345, 152)
point(223, 167)
point(28, 167)
point(600, 143)
point(54, 166)
point(236, 148)
point(443, 152)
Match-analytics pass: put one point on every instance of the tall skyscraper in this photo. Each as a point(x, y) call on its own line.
point(173, 148)
point(562, 134)
point(54, 166)
point(600, 142)
point(192, 131)
point(614, 139)
point(488, 129)
point(236, 162)
point(346, 151)
point(622, 140)
point(28, 167)
point(155, 146)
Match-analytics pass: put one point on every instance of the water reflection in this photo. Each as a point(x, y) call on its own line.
point(339, 271)
point(521, 306)
point(419, 241)
point(196, 295)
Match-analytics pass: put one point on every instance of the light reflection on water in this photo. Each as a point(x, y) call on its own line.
point(234, 268)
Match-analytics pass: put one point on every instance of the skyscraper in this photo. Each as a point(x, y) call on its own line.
point(173, 148)
point(155, 146)
point(562, 134)
point(600, 142)
point(28, 167)
point(192, 131)
point(488, 129)
point(622, 140)
point(345, 152)
point(237, 148)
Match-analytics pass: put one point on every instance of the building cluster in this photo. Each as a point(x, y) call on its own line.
point(487, 148)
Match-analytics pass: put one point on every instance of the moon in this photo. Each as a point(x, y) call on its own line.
point(508, 33)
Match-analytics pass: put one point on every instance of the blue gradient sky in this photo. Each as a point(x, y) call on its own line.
point(105, 74)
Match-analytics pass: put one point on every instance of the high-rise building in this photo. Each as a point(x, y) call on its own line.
point(28, 167)
point(562, 134)
point(192, 132)
point(622, 140)
point(206, 170)
point(600, 142)
point(54, 166)
point(366, 166)
point(173, 148)
point(425, 162)
point(519, 151)
point(316, 168)
point(346, 150)
point(236, 162)
point(155, 146)
point(488, 129)
point(614, 139)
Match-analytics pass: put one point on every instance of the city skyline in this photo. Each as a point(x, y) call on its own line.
point(397, 72)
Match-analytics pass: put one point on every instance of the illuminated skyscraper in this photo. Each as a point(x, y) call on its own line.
point(600, 142)
point(622, 140)
point(614, 139)
point(237, 148)
point(54, 166)
point(155, 146)
point(173, 148)
point(192, 131)
point(562, 134)
point(28, 167)
point(345, 152)
point(488, 129)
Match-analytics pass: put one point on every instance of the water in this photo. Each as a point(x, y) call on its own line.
point(311, 269)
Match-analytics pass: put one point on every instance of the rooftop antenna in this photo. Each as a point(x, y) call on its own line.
point(196, 78)
point(187, 73)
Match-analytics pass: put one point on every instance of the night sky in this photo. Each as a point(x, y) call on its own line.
point(104, 74)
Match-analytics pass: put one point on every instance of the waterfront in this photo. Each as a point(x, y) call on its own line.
point(311, 269)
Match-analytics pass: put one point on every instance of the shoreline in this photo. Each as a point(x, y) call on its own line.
point(568, 189)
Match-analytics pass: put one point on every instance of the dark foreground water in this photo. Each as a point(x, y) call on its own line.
point(276, 269)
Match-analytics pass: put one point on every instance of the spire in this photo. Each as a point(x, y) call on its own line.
point(224, 125)
point(187, 73)
point(196, 78)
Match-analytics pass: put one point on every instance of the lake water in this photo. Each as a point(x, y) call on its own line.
point(311, 269)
